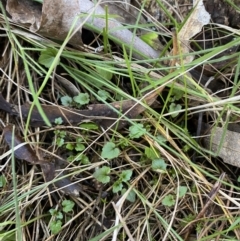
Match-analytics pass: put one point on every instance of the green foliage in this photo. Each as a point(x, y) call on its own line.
point(3, 181)
point(70, 146)
point(187, 219)
point(47, 57)
point(150, 153)
point(161, 139)
point(58, 121)
point(84, 159)
point(117, 186)
point(182, 191)
point(89, 126)
point(56, 214)
point(102, 174)
point(82, 98)
point(110, 151)
point(131, 197)
point(103, 95)
point(238, 179)
point(104, 73)
point(60, 141)
point(66, 100)
point(159, 164)
point(123, 177)
point(178, 94)
point(151, 38)
point(79, 147)
point(174, 107)
point(168, 200)
point(234, 224)
point(55, 226)
point(79, 158)
point(60, 135)
point(136, 131)
point(67, 205)
point(186, 148)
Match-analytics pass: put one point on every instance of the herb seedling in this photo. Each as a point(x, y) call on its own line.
point(56, 224)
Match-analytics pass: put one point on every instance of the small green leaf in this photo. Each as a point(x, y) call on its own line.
point(161, 139)
point(238, 179)
point(137, 131)
point(59, 215)
point(104, 73)
point(178, 94)
point(60, 141)
point(131, 197)
point(71, 158)
point(79, 140)
point(70, 146)
point(55, 213)
point(89, 126)
point(58, 121)
point(159, 164)
point(101, 174)
point(103, 95)
point(3, 181)
point(55, 226)
point(151, 38)
point(47, 57)
point(67, 205)
point(168, 200)
point(82, 98)
point(66, 100)
point(110, 151)
point(84, 159)
point(150, 153)
point(182, 191)
point(173, 107)
point(117, 186)
point(62, 134)
point(79, 147)
point(126, 175)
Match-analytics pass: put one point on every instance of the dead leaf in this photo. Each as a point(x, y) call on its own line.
point(24, 152)
point(71, 89)
point(225, 144)
point(24, 11)
point(4, 105)
point(198, 18)
point(53, 19)
point(67, 186)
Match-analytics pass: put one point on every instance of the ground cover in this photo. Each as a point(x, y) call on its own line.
point(113, 137)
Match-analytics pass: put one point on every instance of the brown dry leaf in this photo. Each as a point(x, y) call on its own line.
point(198, 18)
point(229, 151)
point(24, 152)
point(24, 11)
point(52, 19)
point(4, 105)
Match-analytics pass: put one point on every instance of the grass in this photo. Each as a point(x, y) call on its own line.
point(154, 177)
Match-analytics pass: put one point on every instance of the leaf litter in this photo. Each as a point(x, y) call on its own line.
point(104, 115)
